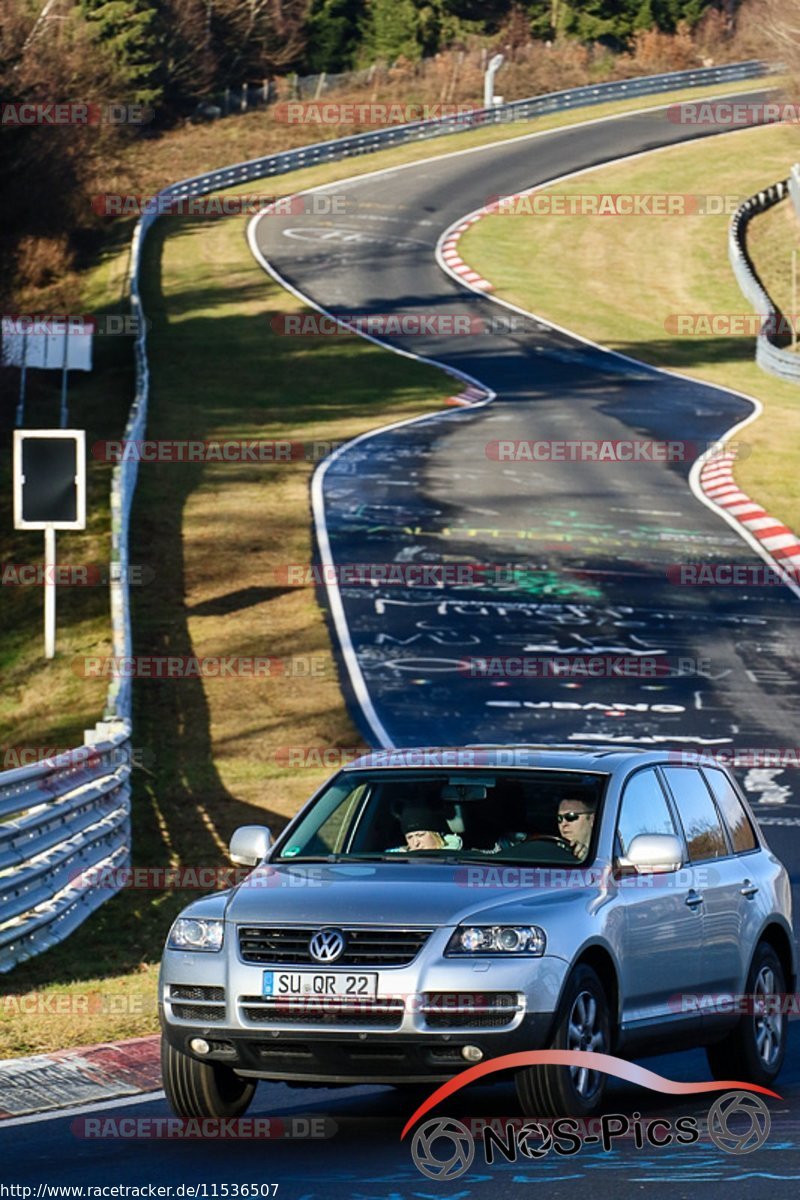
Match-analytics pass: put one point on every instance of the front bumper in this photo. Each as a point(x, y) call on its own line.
point(347, 1058)
point(405, 1042)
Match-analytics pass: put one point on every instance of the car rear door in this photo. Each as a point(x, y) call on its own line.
point(662, 934)
point(719, 880)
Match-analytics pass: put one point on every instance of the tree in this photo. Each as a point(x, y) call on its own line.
point(390, 30)
point(334, 34)
point(127, 34)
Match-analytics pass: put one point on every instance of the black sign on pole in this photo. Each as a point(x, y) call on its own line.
point(49, 479)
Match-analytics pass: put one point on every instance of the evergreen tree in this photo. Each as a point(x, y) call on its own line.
point(391, 30)
point(334, 34)
point(126, 32)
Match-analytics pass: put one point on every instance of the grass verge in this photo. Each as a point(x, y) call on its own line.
point(637, 272)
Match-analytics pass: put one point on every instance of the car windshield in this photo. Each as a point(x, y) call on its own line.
point(532, 816)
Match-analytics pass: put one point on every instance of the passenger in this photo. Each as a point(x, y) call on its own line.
point(420, 828)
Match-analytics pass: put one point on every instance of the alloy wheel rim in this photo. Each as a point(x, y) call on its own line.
point(585, 1033)
point(768, 1024)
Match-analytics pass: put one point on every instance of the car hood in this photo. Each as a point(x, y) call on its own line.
point(402, 893)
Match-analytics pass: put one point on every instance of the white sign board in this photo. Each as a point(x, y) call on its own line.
point(40, 342)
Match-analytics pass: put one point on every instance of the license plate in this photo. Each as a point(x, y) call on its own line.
point(286, 984)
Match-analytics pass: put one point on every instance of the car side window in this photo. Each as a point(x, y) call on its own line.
point(705, 837)
point(739, 826)
point(644, 809)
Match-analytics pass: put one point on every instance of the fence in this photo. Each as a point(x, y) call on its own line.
point(769, 356)
point(68, 815)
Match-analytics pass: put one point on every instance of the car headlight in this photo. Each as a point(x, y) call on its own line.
point(195, 933)
point(497, 939)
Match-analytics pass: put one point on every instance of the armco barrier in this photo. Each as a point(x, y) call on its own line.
point(769, 356)
point(58, 819)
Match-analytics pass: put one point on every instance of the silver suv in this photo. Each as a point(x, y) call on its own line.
point(428, 909)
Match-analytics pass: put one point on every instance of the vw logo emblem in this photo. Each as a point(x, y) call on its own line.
point(326, 945)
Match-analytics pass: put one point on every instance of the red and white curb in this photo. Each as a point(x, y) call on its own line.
point(454, 260)
point(471, 395)
point(717, 483)
point(87, 1074)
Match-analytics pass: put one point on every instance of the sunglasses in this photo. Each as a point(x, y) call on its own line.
point(573, 816)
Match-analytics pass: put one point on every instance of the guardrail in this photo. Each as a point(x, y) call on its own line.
point(769, 355)
point(794, 187)
point(61, 818)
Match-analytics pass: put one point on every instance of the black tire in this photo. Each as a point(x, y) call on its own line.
point(755, 1048)
point(200, 1089)
point(583, 1022)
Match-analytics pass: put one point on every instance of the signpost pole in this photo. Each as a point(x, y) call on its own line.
point(23, 372)
point(49, 592)
point(64, 382)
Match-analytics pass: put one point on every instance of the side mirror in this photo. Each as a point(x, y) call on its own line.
point(653, 854)
point(250, 845)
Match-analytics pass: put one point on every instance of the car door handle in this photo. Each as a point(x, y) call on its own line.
point(693, 900)
point(749, 889)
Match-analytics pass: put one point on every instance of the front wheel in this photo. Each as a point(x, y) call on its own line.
point(202, 1089)
point(755, 1049)
point(584, 1023)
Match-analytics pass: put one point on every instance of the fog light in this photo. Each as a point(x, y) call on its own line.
point(199, 1046)
point(472, 1053)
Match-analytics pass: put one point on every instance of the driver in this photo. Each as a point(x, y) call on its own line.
point(575, 822)
point(423, 832)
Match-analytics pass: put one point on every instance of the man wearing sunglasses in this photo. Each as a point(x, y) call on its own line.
point(575, 821)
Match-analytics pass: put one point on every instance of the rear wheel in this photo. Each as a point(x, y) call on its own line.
point(584, 1023)
point(202, 1089)
point(755, 1049)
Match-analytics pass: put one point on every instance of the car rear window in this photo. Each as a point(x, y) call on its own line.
point(705, 837)
point(741, 830)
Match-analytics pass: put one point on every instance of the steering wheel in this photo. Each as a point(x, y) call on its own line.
point(550, 837)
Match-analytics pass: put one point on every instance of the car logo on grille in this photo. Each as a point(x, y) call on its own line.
point(327, 945)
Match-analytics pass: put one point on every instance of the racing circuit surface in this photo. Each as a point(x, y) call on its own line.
point(587, 546)
point(591, 545)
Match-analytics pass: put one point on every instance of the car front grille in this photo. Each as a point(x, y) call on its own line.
point(182, 991)
point(469, 1010)
point(323, 1012)
point(205, 1003)
point(363, 947)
